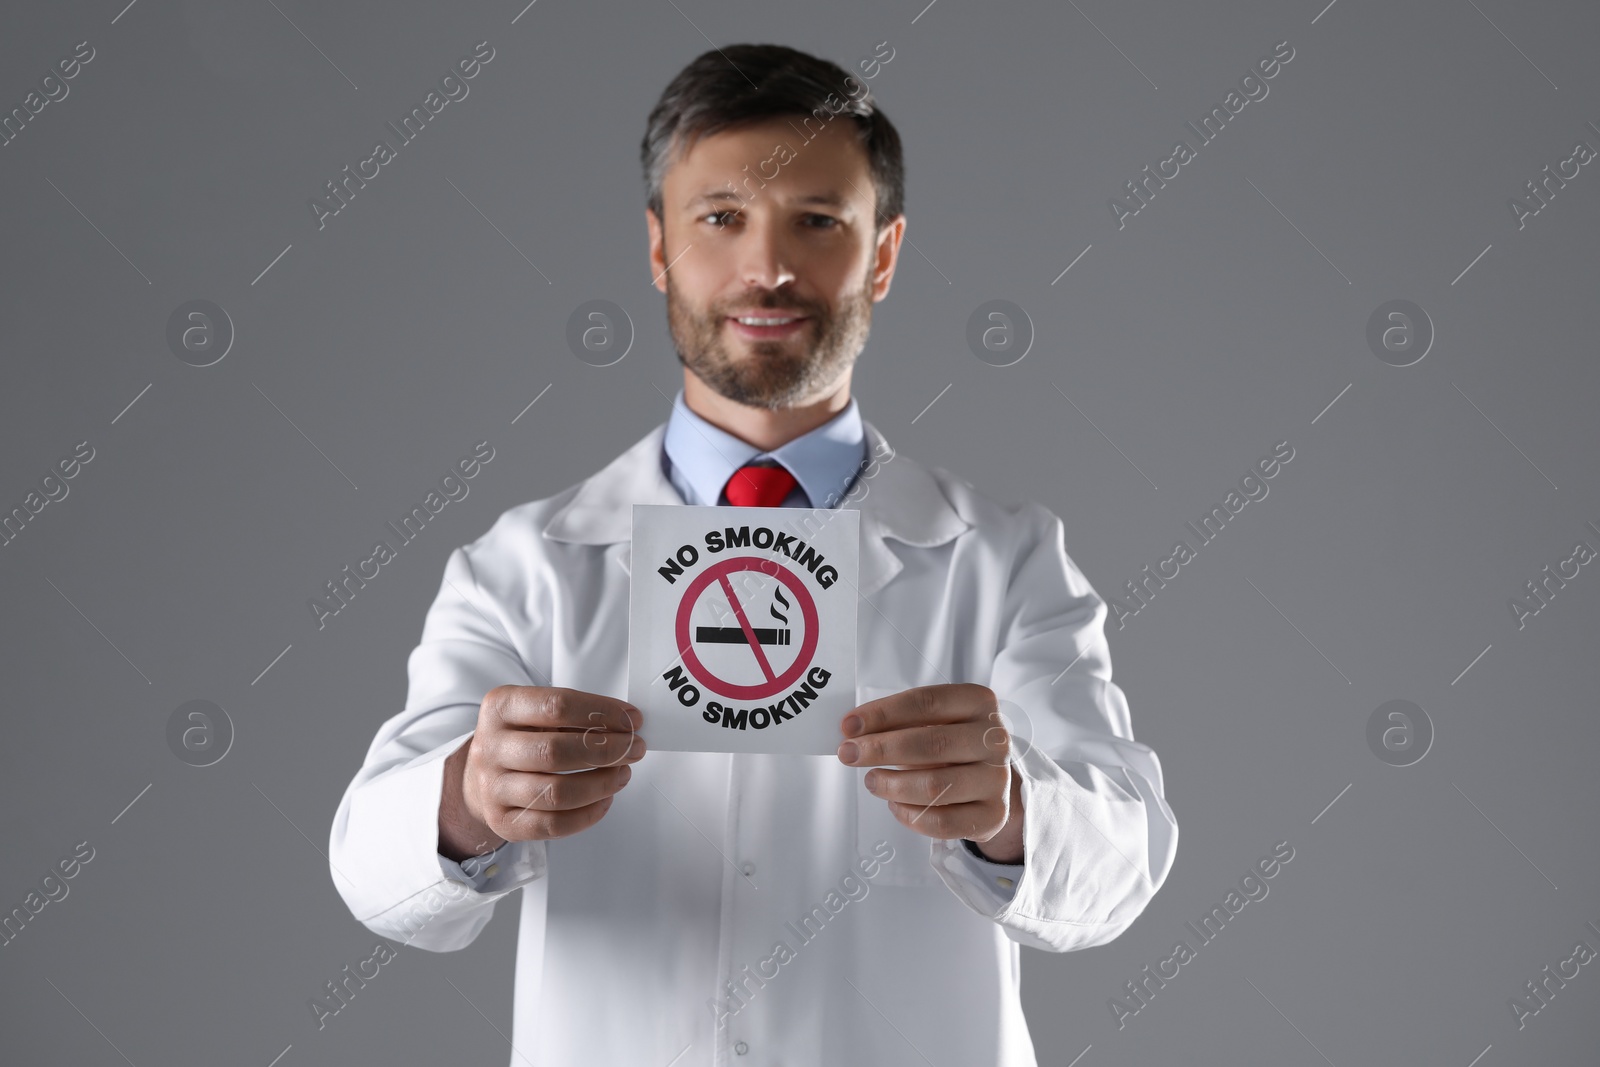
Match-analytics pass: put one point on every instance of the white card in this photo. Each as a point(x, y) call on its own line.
point(742, 627)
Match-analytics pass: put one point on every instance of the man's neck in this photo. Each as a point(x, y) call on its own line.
point(763, 428)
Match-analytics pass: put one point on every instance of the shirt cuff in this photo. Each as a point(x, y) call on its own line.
point(1000, 879)
point(484, 873)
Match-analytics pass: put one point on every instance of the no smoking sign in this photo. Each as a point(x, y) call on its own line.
point(742, 627)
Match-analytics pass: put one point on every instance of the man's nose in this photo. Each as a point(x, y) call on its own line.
point(764, 256)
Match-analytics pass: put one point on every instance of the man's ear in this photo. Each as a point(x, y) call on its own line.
point(658, 260)
point(887, 255)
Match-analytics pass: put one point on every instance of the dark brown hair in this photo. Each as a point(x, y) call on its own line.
point(745, 83)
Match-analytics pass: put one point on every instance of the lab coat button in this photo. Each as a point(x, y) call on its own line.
point(741, 1048)
point(748, 868)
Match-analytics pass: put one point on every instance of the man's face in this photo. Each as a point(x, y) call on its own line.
point(793, 238)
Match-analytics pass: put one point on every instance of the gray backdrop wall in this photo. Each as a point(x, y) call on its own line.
point(1233, 310)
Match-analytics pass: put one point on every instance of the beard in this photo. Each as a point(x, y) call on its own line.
point(774, 374)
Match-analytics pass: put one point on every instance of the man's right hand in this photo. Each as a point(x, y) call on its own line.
point(543, 763)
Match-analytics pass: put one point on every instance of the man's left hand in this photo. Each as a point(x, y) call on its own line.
point(956, 780)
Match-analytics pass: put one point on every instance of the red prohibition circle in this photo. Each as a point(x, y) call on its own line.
point(808, 611)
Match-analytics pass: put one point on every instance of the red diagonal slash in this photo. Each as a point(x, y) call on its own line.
point(749, 632)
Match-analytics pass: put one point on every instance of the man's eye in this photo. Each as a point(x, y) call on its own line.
point(720, 220)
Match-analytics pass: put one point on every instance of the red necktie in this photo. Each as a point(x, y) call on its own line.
point(759, 486)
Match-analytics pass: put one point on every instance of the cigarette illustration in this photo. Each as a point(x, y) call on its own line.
point(734, 635)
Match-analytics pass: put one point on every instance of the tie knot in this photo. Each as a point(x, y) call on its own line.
point(759, 486)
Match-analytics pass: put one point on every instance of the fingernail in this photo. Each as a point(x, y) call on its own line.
point(872, 781)
point(625, 777)
point(847, 752)
point(851, 725)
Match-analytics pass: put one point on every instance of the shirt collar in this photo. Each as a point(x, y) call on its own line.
point(901, 499)
point(823, 461)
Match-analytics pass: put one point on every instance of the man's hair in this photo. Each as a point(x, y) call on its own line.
point(746, 83)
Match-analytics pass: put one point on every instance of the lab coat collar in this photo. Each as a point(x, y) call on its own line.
point(899, 499)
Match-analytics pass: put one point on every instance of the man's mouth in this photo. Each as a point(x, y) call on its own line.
point(767, 327)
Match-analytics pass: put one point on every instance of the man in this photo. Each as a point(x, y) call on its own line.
point(708, 908)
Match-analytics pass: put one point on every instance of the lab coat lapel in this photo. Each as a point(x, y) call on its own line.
point(898, 498)
point(601, 511)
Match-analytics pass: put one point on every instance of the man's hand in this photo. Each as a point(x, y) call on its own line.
point(543, 763)
point(957, 781)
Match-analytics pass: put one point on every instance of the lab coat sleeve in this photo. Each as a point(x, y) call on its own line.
point(383, 849)
point(1098, 836)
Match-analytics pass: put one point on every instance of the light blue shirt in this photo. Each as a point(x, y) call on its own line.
point(699, 458)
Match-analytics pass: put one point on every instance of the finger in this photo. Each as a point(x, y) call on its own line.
point(966, 742)
point(554, 707)
point(605, 748)
point(536, 824)
point(955, 784)
point(923, 706)
point(562, 750)
point(948, 822)
point(520, 790)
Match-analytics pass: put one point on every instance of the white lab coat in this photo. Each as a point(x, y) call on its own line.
point(656, 934)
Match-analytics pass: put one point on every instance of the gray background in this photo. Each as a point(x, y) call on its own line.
point(1214, 325)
